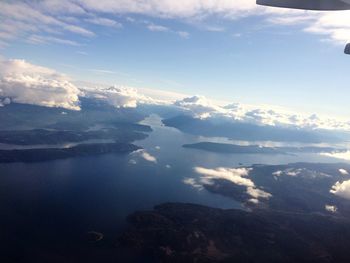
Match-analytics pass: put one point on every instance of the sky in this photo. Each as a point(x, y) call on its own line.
point(225, 50)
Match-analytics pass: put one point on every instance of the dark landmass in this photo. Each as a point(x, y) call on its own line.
point(40, 155)
point(23, 116)
point(125, 126)
point(193, 233)
point(54, 137)
point(301, 187)
point(254, 149)
point(248, 132)
point(233, 149)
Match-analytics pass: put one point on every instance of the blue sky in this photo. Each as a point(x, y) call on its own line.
point(246, 59)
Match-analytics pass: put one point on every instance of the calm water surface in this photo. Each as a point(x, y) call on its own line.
point(58, 202)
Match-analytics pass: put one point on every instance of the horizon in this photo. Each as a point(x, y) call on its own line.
point(248, 54)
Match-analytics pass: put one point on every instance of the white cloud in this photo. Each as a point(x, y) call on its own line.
point(238, 176)
point(339, 155)
point(119, 97)
point(22, 82)
point(36, 39)
point(254, 201)
point(132, 161)
point(258, 193)
point(183, 34)
point(341, 189)
point(4, 101)
point(52, 16)
point(157, 28)
point(331, 208)
point(21, 19)
point(343, 172)
point(301, 172)
point(146, 156)
point(192, 182)
point(201, 107)
point(278, 173)
point(104, 22)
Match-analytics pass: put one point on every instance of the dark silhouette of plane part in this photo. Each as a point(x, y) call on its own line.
point(320, 5)
point(347, 49)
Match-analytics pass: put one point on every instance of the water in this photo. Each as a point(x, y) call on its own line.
point(56, 203)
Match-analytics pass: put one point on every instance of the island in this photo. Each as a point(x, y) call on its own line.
point(177, 232)
point(256, 149)
point(55, 137)
point(81, 150)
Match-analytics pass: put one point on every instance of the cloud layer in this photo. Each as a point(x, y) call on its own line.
point(38, 20)
point(201, 107)
point(23, 82)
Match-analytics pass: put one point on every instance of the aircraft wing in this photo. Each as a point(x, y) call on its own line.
point(347, 49)
point(326, 5)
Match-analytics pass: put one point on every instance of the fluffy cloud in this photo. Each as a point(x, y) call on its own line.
point(343, 172)
point(331, 208)
point(192, 182)
point(339, 155)
point(119, 97)
point(341, 189)
point(201, 107)
point(238, 176)
point(146, 156)
point(301, 172)
point(22, 82)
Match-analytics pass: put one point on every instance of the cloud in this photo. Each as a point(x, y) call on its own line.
point(119, 97)
point(198, 106)
point(339, 155)
point(183, 34)
point(79, 30)
point(334, 25)
point(201, 107)
point(192, 182)
point(36, 39)
point(157, 28)
point(132, 161)
point(237, 176)
point(4, 101)
point(343, 172)
point(104, 22)
point(146, 156)
point(22, 82)
point(21, 19)
point(331, 208)
point(300, 172)
point(341, 189)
